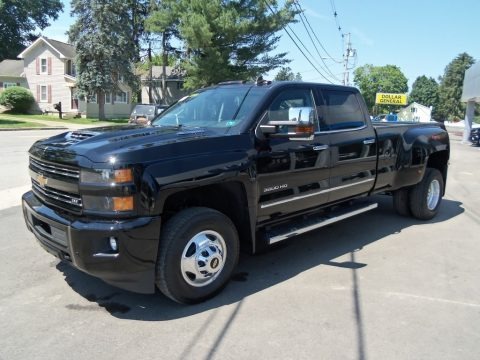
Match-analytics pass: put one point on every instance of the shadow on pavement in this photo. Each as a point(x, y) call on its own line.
point(259, 272)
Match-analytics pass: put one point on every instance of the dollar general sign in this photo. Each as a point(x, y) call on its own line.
point(391, 99)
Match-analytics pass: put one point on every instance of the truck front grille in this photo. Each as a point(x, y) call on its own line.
point(64, 200)
point(58, 171)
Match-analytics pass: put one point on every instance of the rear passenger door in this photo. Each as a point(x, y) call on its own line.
point(352, 143)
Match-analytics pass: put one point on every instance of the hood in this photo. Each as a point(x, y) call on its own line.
point(133, 144)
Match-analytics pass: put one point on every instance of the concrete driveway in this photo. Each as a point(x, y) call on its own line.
point(376, 286)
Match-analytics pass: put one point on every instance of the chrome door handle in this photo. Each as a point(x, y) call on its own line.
point(368, 141)
point(320, 147)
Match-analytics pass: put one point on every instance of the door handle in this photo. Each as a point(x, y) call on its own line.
point(320, 147)
point(368, 141)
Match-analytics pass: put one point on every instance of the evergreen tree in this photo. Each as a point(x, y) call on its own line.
point(18, 21)
point(451, 86)
point(425, 92)
point(285, 74)
point(105, 47)
point(372, 79)
point(226, 39)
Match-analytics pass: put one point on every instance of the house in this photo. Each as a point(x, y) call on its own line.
point(11, 74)
point(173, 85)
point(416, 112)
point(49, 72)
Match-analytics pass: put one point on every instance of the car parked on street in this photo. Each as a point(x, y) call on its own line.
point(475, 135)
point(142, 114)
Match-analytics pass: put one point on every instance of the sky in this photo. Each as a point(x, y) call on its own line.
point(420, 37)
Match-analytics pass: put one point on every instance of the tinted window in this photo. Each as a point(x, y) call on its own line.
point(341, 110)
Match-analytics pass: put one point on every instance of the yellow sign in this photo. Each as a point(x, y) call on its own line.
point(391, 99)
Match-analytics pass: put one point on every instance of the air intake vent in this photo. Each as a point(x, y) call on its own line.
point(79, 135)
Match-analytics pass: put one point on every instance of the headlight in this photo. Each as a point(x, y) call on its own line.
point(106, 176)
point(107, 203)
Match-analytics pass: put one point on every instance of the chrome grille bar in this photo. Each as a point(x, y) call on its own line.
point(55, 169)
point(47, 193)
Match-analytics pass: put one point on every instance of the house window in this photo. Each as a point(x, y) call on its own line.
point(6, 85)
point(179, 85)
point(43, 66)
point(43, 93)
point(108, 98)
point(92, 98)
point(121, 97)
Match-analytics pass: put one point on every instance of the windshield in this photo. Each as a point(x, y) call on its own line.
point(212, 108)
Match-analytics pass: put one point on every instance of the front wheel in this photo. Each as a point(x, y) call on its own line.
point(425, 197)
point(198, 252)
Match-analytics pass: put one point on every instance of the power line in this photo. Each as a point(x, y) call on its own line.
point(302, 16)
point(298, 47)
point(314, 34)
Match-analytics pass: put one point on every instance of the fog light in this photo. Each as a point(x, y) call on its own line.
point(113, 243)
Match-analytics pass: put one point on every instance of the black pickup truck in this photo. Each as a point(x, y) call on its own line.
point(237, 165)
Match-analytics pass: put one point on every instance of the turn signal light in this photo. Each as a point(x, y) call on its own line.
point(123, 203)
point(123, 176)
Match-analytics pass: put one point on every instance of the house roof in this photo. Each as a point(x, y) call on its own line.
point(64, 50)
point(11, 68)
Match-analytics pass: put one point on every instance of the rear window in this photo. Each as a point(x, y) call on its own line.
point(144, 109)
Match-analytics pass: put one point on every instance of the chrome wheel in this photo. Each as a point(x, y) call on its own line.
point(433, 195)
point(203, 258)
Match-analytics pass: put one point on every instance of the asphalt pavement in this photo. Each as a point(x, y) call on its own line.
point(376, 286)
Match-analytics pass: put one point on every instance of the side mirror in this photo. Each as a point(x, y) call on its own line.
point(300, 125)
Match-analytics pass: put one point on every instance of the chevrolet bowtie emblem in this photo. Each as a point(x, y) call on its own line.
point(42, 180)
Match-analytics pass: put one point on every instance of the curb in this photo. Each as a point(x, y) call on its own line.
point(36, 128)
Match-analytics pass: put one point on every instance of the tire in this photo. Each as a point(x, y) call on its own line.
point(426, 196)
point(198, 252)
point(401, 199)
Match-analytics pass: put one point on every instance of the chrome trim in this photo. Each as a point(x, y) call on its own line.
point(106, 255)
point(55, 169)
point(335, 219)
point(339, 131)
point(55, 195)
point(320, 147)
point(369, 141)
point(264, 206)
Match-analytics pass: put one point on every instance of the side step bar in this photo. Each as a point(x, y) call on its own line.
point(284, 232)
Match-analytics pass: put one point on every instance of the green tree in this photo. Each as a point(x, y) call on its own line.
point(451, 86)
point(18, 21)
point(226, 39)
point(372, 79)
point(425, 92)
point(17, 99)
point(102, 36)
point(285, 74)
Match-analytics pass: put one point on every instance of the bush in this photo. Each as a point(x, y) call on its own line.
point(17, 99)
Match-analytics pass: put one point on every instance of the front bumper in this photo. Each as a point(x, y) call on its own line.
point(85, 244)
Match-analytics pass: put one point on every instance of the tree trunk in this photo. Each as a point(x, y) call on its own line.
point(101, 105)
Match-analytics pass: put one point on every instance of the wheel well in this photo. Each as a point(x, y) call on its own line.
point(228, 198)
point(439, 160)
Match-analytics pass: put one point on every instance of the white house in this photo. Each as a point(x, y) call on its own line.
point(416, 112)
point(49, 72)
point(11, 74)
point(173, 85)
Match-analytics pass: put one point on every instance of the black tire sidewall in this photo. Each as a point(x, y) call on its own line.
point(178, 232)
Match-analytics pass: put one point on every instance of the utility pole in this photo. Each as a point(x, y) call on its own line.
point(349, 53)
point(150, 77)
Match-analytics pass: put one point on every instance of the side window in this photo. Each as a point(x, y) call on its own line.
point(341, 110)
point(293, 105)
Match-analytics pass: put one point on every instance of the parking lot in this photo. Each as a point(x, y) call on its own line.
point(376, 286)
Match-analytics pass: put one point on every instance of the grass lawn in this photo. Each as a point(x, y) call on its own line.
point(14, 124)
point(82, 121)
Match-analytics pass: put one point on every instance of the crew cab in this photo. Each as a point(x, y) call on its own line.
point(234, 166)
